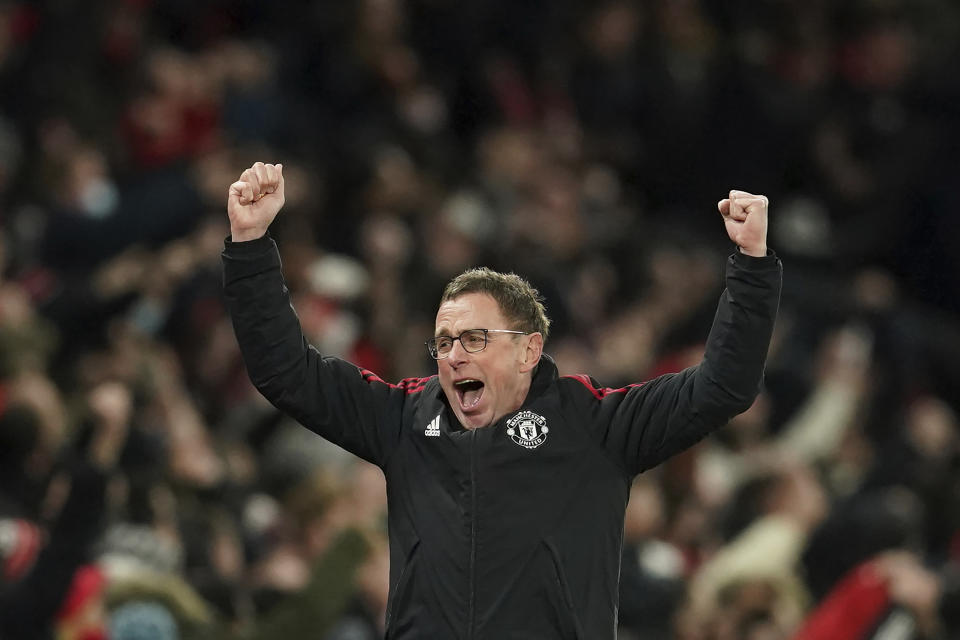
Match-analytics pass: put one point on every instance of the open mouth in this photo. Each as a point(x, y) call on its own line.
point(469, 392)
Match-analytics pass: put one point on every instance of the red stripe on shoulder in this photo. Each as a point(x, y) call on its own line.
point(409, 385)
point(600, 392)
point(413, 385)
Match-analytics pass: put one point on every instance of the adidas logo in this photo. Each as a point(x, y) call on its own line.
point(433, 429)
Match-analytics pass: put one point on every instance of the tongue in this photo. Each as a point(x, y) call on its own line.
point(471, 396)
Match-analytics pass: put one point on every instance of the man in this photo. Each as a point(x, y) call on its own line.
point(506, 483)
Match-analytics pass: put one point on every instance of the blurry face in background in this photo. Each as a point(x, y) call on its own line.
point(89, 186)
point(644, 517)
point(484, 386)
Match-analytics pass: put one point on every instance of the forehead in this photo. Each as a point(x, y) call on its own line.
point(469, 311)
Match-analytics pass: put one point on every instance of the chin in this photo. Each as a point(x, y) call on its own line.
point(469, 424)
point(474, 422)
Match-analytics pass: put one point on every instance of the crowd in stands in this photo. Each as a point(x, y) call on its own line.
point(147, 491)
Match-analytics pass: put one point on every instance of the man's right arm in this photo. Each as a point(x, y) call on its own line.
point(327, 395)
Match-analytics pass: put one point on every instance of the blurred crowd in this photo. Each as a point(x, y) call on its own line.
point(147, 492)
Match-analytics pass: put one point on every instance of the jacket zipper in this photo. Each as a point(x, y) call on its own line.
point(473, 530)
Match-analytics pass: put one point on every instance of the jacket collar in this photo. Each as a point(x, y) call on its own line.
point(544, 375)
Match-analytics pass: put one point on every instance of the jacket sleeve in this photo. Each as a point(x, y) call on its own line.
point(333, 398)
point(643, 425)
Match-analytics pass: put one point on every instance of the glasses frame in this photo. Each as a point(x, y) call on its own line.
point(434, 351)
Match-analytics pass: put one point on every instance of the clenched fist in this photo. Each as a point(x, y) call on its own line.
point(254, 201)
point(745, 216)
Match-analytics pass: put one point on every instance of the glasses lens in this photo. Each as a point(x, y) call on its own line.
point(474, 340)
point(439, 346)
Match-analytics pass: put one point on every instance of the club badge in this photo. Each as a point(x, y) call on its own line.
point(528, 429)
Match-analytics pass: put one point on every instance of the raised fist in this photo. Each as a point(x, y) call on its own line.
point(745, 216)
point(254, 201)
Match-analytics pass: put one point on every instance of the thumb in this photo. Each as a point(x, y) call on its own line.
point(240, 193)
point(280, 186)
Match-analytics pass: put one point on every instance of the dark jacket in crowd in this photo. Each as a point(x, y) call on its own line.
point(513, 530)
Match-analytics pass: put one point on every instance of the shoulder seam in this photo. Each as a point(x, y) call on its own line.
point(409, 385)
point(599, 394)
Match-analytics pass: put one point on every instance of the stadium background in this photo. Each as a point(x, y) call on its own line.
point(582, 144)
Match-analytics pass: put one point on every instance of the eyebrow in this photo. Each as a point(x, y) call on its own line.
point(450, 334)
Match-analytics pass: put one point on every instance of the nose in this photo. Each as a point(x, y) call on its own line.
point(458, 355)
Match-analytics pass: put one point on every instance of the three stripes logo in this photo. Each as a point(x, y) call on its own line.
point(433, 429)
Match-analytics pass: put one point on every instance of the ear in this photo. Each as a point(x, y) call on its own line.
point(532, 352)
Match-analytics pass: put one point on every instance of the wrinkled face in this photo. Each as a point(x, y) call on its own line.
point(484, 386)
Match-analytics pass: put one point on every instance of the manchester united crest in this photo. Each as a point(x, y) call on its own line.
point(528, 429)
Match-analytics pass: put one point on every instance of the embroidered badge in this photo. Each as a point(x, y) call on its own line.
point(528, 429)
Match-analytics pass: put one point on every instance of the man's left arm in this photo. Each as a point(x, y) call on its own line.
point(646, 424)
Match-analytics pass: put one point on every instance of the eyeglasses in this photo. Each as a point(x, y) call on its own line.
point(473, 340)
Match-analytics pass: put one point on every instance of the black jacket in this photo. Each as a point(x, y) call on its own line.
point(513, 530)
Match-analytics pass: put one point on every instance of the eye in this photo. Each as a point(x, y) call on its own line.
point(443, 343)
point(475, 338)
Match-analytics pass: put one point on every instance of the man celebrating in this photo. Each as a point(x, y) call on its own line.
point(506, 483)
